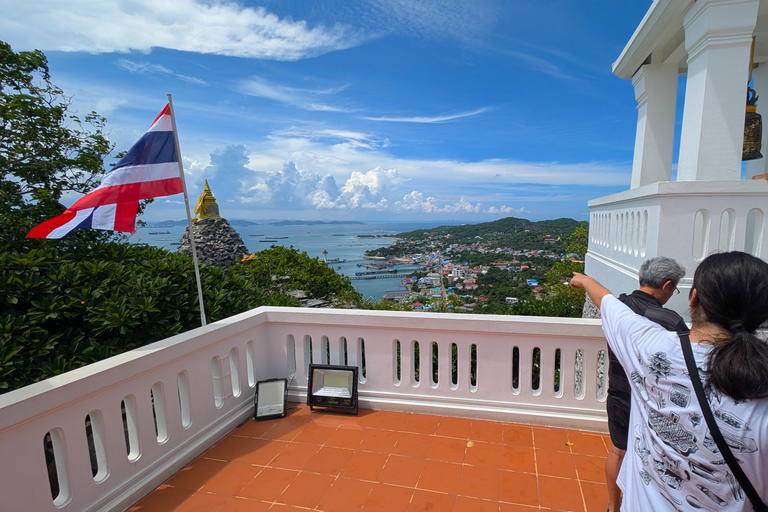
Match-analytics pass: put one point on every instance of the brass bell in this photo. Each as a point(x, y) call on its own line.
point(753, 129)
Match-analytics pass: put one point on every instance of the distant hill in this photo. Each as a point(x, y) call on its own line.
point(509, 226)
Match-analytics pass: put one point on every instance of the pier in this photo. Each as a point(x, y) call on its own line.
point(381, 276)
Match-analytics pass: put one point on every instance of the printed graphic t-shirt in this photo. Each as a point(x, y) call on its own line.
point(672, 462)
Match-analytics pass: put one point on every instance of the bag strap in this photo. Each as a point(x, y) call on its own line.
point(714, 430)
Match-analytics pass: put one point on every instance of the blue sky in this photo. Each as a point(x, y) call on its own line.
point(358, 110)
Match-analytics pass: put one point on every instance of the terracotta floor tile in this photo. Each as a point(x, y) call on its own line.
point(560, 494)
point(254, 428)
point(231, 479)
point(595, 496)
point(315, 434)
point(552, 463)
point(447, 449)
point(268, 485)
point(401, 470)
point(294, 456)
point(422, 424)
point(518, 458)
point(519, 488)
point(428, 501)
point(484, 454)
point(589, 468)
point(306, 490)
point(285, 430)
point(346, 495)
point(454, 427)
point(518, 435)
point(204, 502)
point(346, 437)
point(328, 460)
point(389, 420)
point(587, 443)
point(376, 440)
point(488, 431)
point(239, 504)
point(365, 418)
point(440, 476)
point(550, 439)
point(230, 448)
point(162, 499)
point(195, 474)
point(413, 445)
point(262, 452)
point(388, 498)
point(480, 482)
point(364, 465)
point(512, 507)
point(467, 504)
point(347, 463)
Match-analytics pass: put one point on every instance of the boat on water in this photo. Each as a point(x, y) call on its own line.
point(339, 234)
point(159, 232)
point(335, 260)
point(268, 240)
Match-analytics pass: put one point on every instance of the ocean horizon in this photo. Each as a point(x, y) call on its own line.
point(339, 238)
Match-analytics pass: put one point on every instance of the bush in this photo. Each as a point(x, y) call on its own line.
point(63, 310)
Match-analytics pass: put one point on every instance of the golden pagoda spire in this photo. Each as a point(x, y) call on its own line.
point(206, 207)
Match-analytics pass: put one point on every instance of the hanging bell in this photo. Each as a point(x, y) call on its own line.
point(753, 129)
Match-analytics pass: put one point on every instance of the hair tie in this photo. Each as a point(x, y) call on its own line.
point(736, 326)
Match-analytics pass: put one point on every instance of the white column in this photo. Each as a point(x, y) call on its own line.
point(718, 38)
point(656, 95)
point(760, 77)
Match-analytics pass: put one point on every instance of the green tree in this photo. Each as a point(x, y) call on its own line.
point(45, 149)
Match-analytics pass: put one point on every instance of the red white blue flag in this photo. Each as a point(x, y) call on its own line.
point(149, 169)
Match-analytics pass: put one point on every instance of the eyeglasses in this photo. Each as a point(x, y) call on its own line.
point(677, 291)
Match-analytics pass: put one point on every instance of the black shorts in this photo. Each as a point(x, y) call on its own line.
point(618, 408)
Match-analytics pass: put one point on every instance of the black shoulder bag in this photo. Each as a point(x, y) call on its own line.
point(714, 430)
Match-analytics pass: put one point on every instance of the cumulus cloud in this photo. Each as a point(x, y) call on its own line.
point(507, 209)
point(221, 27)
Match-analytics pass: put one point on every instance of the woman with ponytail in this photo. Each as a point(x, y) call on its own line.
point(672, 461)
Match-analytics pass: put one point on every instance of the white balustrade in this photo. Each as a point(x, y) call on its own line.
point(120, 427)
point(682, 220)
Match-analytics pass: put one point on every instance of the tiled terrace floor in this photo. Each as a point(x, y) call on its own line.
point(387, 461)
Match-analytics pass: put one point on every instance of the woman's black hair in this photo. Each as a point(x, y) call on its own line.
point(732, 289)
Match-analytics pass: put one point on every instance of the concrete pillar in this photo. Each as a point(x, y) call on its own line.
point(656, 95)
point(760, 77)
point(718, 39)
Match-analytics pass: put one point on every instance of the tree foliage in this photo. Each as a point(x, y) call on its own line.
point(60, 310)
point(46, 150)
point(295, 270)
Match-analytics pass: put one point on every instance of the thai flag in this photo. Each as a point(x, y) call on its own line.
point(149, 169)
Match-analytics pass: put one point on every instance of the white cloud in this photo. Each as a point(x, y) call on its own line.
point(307, 99)
point(433, 119)
point(145, 68)
point(221, 27)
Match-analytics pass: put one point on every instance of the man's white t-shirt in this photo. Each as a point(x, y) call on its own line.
point(672, 463)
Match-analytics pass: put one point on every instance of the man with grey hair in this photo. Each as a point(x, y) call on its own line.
point(658, 283)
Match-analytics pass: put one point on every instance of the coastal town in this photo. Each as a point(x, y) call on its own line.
point(453, 269)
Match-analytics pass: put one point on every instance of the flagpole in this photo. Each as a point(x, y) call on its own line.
point(189, 215)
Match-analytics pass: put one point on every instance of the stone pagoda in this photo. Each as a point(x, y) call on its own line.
point(217, 242)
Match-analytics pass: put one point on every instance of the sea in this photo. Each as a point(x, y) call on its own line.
point(340, 240)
